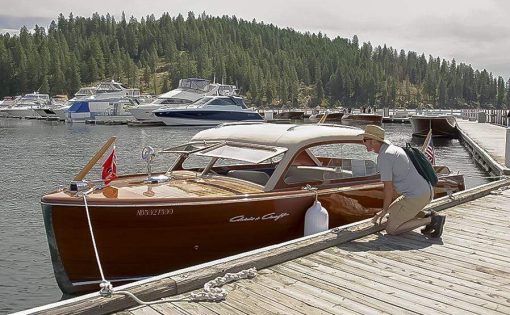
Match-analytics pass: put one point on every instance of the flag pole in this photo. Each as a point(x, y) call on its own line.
point(99, 154)
point(427, 140)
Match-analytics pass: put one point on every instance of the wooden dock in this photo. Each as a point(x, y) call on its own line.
point(354, 269)
point(486, 142)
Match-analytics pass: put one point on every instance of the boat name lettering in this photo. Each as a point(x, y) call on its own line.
point(270, 216)
point(152, 212)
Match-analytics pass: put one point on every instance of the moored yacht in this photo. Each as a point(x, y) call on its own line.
point(108, 98)
point(27, 104)
point(61, 111)
point(188, 91)
point(6, 103)
point(208, 111)
point(442, 125)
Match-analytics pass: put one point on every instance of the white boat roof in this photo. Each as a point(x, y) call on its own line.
point(291, 136)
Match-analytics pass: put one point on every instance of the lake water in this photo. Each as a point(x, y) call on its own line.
point(38, 156)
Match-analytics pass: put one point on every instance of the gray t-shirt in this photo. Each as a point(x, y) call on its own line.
point(395, 166)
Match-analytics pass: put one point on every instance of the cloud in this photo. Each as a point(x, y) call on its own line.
point(16, 22)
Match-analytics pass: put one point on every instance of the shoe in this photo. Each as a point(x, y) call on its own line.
point(438, 223)
point(429, 228)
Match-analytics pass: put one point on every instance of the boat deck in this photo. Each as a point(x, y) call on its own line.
point(467, 271)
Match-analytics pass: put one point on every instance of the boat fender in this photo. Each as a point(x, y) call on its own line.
point(316, 219)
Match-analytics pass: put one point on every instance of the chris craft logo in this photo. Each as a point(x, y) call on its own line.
point(270, 216)
point(153, 212)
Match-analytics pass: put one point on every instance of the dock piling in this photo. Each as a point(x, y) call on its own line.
point(507, 148)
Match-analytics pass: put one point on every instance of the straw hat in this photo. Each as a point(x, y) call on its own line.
point(374, 132)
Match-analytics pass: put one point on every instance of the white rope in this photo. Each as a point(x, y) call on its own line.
point(212, 292)
point(106, 286)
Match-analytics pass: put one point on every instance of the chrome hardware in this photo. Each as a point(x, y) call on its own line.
point(148, 155)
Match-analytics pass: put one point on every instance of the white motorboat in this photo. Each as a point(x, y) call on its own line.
point(27, 104)
point(6, 103)
point(109, 98)
point(188, 91)
point(61, 110)
point(208, 111)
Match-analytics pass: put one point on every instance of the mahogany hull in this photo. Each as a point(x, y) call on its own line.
point(136, 241)
point(442, 126)
point(331, 117)
point(293, 115)
point(371, 118)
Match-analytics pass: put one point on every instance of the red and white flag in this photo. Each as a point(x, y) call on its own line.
point(110, 168)
point(428, 148)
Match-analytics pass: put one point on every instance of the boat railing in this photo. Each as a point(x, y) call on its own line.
point(493, 116)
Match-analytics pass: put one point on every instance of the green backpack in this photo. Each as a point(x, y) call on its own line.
point(421, 164)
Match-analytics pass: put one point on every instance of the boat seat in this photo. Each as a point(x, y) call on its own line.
point(358, 168)
point(362, 168)
point(304, 174)
point(256, 177)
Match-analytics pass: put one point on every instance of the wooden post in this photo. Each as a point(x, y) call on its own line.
point(507, 148)
point(99, 154)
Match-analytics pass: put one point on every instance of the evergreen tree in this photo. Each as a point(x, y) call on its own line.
point(269, 63)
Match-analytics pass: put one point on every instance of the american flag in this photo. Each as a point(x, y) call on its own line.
point(428, 148)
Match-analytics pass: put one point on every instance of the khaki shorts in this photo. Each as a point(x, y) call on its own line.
point(404, 209)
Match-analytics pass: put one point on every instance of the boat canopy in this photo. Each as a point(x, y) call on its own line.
point(280, 135)
point(242, 152)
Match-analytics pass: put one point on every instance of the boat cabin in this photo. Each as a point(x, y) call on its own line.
point(279, 156)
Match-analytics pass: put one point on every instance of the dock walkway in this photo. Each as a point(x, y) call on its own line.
point(467, 271)
point(485, 142)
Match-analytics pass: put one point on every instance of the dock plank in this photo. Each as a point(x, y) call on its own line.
point(429, 261)
point(345, 290)
point(428, 273)
point(276, 296)
point(431, 287)
point(307, 293)
point(385, 282)
point(488, 136)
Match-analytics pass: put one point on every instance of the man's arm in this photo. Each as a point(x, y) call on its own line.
point(388, 196)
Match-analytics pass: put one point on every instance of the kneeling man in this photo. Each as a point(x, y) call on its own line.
point(398, 172)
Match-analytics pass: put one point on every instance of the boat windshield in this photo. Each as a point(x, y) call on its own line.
point(242, 152)
point(203, 100)
point(171, 101)
point(195, 84)
point(191, 147)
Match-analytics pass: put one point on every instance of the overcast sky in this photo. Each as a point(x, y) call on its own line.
point(475, 32)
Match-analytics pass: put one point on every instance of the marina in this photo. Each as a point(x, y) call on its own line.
point(235, 159)
point(63, 136)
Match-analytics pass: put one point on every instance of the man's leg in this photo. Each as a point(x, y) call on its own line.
point(405, 214)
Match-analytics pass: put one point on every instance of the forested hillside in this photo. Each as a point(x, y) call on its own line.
point(271, 65)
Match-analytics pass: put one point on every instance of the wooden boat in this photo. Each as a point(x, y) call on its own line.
point(290, 114)
point(331, 117)
point(247, 193)
point(362, 117)
point(442, 125)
